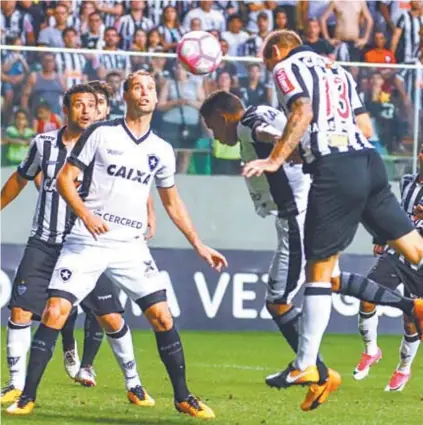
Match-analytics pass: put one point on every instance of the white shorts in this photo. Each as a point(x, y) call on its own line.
point(287, 270)
point(129, 265)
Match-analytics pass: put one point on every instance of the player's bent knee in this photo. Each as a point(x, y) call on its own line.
point(20, 316)
point(56, 312)
point(321, 270)
point(159, 317)
point(277, 310)
point(409, 326)
point(111, 322)
point(366, 307)
point(411, 246)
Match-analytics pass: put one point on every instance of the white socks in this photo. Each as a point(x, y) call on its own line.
point(367, 325)
point(316, 310)
point(18, 344)
point(408, 350)
point(123, 349)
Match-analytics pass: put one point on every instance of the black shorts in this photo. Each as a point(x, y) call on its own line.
point(391, 272)
point(348, 189)
point(30, 286)
point(103, 299)
point(33, 276)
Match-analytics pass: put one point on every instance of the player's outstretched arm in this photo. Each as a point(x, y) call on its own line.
point(12, 189)
point(66, 186)
point(298, 122)
point(178, 213)
point(365, 125)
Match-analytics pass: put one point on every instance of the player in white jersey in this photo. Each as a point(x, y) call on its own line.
point(120, 160)
point(349, 185)
point(47, 154)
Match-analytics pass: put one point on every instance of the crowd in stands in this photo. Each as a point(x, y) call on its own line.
point(377, 32)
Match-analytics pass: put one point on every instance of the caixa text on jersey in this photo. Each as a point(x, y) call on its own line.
point(127, 173)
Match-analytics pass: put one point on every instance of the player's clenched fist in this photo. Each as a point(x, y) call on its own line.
point(214, 258)
point(95, 225)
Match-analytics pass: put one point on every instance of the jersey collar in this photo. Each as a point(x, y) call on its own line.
point(134, 139)
point(299, 49)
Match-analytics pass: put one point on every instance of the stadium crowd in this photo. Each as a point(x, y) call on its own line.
point(33, 83)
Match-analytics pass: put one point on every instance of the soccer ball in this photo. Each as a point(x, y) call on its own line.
point(199, 52)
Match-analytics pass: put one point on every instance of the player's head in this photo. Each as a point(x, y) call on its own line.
point(103, 92)
point(277, 46)
point(221, 112)
point(80, 106)
point(139, 93)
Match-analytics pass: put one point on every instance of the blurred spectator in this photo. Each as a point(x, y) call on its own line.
point(347, 41)
point(408, 31)
point(253, 91)
point(180, 100)
point(14, 69)
point(139, 45)
point(72, 19)
point(379, 54)
point(195, 24)
point(227, 7)
point(170, 29)
point(128, 24)
point(392, 10)
point(117, 104)
point(111, 11)
point(36, 13)
point(18, 136)
point(44, 86)
point(280, 19)
point(226, 82)
point(314, 9)
point(71, 65)
point(254, 9)
point(252, 46)
point(93, 38)
point(158, 70)
point(45, 120)
point(210, 18)
point(87, 7)
point(113, 62)
point(235, 36)
point(319, 45)
point(13, 22)
point(52, 36)
point(290, 8)
point(154, 40)
point(156, 8)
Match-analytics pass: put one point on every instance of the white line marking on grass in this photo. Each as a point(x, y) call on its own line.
point(232, 366)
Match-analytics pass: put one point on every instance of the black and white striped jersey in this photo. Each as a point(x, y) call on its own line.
point(108, 18)
point(47, 154)
point(411, 26)
point(411, 82)
point(127, 27)
point(335, 102)
point(411, 190)
point(71, 65)
point(285, 192)
point(171, 35)
point(115, 62)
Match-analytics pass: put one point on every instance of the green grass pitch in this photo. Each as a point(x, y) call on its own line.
point(227, 370)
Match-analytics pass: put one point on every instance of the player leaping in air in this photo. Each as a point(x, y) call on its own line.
point(120, 160)
point(350, 184)
point(284, 195)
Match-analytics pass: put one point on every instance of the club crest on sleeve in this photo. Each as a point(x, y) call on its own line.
point(153, 161)
point(65, 274)
point(21, 289)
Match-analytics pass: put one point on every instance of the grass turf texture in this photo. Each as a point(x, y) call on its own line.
point(227, 371)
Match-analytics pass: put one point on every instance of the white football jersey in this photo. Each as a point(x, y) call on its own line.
point(285, 192)
point(334, 98)
point(118, 172)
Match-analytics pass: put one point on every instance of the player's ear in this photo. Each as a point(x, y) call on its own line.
point(276, 52)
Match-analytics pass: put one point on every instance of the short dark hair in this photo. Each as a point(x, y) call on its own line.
point(223, 101)
point(94, 13)
point(77, 88)
point(111, 29)
point(132, 75)
point(101, 87)
point(233, 17)
point(113, 74)
point(69, 29)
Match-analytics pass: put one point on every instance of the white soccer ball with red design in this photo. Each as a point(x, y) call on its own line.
point(199, 52)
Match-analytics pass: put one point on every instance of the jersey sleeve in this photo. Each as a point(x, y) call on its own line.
point(356, 103)
point(86, 147)
point(165, 175)
point(31, 165)
point(266, 133)
point(290, 83)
